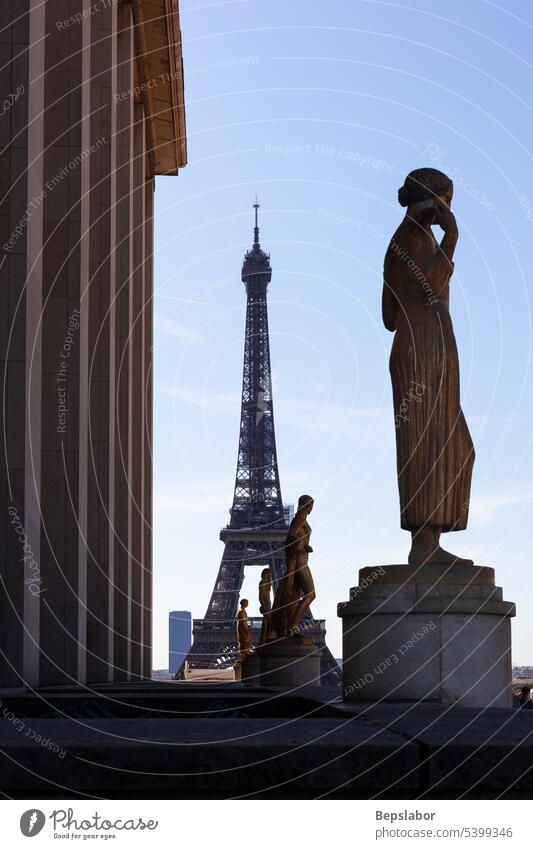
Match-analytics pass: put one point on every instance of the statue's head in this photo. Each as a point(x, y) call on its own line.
point(425, 184)
point(305, 502)
point(244, 603)
point(266, 574)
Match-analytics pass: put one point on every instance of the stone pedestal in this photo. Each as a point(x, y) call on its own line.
point(251, 669)
point(435, 633)
point(289, 665)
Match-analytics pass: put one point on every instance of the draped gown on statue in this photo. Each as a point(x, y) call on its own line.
point(435, 453)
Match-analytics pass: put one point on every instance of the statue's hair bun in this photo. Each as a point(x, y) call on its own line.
point(421, 184)
point(403, 198)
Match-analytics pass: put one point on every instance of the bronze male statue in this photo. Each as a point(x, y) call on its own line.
point(265, 606)
point(296, 590)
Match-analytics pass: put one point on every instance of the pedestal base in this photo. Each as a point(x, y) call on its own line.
point(251, 669)
point(285, 665)
point(433, 633)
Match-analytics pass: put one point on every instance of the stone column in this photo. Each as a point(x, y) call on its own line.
point(20, 298)
point(85, 244)
point(137, 395)
point(31, 292)
point(148, 332)
point(58, 372)
point(80, 144)
point(101, 346)
point(122, 323)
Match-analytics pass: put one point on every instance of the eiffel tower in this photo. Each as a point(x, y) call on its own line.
point(257, 530)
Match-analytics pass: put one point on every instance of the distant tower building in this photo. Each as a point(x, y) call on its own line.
point(179, 638)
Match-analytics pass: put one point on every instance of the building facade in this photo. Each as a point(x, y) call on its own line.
point(179, 638)
point(92, 111)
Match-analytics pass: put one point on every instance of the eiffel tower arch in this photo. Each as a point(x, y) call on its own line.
point(257, 530)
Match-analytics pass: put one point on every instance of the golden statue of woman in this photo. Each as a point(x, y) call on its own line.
point(244, 633)
point(435, 454)
point(265, 606)
point(296, 590)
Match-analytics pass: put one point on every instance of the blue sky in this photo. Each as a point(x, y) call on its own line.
point(322, 109)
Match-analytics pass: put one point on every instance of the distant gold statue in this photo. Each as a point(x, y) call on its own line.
point(244, 633)
point(265, 606)
point(296, 590)
point(434, 450)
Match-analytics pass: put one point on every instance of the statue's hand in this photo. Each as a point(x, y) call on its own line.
point(446, 218)
point(308, 548)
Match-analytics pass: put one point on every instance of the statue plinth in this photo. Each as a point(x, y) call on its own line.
point(289, 663)
point(251, 669)
point(430, 633)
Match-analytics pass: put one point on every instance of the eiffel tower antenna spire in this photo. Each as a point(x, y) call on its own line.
point(256, 228)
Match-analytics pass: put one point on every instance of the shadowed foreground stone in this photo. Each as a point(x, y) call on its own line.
point(224, 758)
point(227, 741)
point(465, 751)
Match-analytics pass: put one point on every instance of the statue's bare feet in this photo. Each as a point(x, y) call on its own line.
point(449, 559)
point(420, 555)
point(435, 556)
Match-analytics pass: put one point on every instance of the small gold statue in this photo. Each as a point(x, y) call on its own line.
point(265, 607)
point(296, 590)
point(244, 633)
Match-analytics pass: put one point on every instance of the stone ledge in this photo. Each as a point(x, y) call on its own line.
point(189, 758)
point(413, 592)
point(432, 605)
point(401, 750)
point(465, 751)
point(402, 573)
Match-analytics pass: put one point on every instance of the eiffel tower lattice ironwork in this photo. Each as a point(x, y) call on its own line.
point(257, 530)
